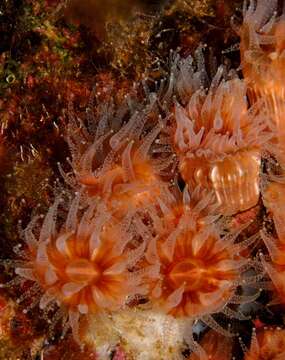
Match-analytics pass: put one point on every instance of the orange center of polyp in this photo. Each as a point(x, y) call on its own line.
point(82, 270)
point(189, 273)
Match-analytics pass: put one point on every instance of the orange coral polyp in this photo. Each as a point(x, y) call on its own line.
point(130, 184)
point(263, 60)
point(218, 140)
point(82, 270)
point(116, 163)
point(267, 344)
point(262, 48)
point(76, 277)
point(136, 194)
point(84, 266)
point(234, 179)
point(217, 123)
point(199, 271)
point(216, 346)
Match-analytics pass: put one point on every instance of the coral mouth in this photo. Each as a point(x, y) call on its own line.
point(187, 272)
point(82, 270)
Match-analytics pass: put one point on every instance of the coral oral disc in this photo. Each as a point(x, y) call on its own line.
point(82, 270)
point(188, 272)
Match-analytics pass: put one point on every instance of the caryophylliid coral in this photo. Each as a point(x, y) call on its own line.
point(166, 237)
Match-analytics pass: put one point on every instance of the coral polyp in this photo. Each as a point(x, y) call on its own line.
point(261, 47)
point(267, 343)
point(199, 270)
point(199, 276)
point(262, 57)
point(158, 233)
point(117, 166)
point(83, 267)
point(228, 177)
point(217, 347)
point(219, 140)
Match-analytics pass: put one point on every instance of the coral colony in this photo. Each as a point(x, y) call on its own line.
point(147, 243)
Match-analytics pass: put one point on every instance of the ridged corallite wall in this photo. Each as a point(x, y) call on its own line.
point(146, 237)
